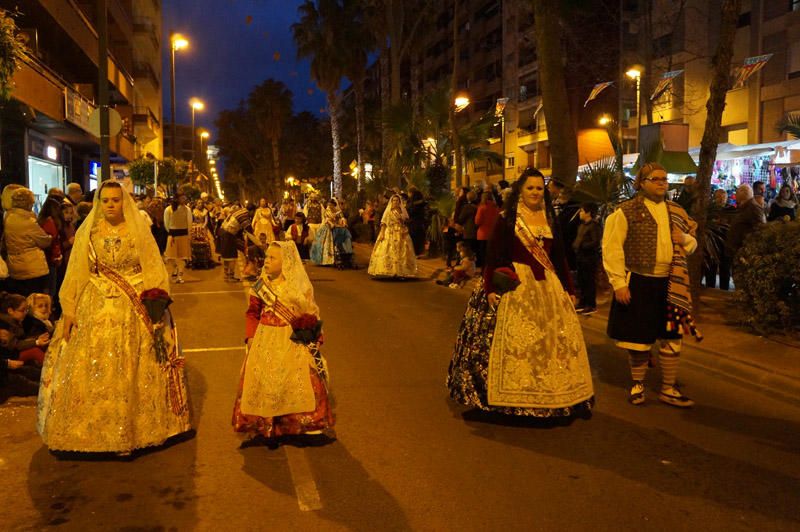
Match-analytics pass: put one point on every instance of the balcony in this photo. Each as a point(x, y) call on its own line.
point(146, 73)
point(145, 27)
point(146, 125)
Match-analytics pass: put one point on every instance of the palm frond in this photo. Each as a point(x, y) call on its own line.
point(790, 125)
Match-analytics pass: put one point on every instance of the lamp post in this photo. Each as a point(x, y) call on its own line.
point(460, 102)
point(203, 136)
point(177, 42)
point(196, 105)
point(636, 74)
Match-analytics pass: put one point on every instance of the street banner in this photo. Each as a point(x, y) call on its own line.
point(500, 106)
point(596, 90)
point(664, 83)
point(751, 66)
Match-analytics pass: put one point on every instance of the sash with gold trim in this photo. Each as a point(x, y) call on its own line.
point(533, 245)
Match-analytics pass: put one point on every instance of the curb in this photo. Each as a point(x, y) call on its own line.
point(744, 374)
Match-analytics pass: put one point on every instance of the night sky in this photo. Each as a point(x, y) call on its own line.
point(234, 45)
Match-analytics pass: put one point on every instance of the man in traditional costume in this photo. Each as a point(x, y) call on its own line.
point(645, 245)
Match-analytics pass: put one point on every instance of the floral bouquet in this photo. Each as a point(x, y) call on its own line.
point(306, 329)
point(505, 280)
point(155, 301)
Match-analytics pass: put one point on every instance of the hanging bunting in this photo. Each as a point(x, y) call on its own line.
point(751, 66)
point(596, 90)
point(664, 83)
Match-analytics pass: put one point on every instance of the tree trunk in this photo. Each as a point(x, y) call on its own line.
point(385, 104)
point(333, 109)
point(555, 102)
point(359, 90)
point(720, 84)
point(276, 159)
point(396, 22)
point(453, 91)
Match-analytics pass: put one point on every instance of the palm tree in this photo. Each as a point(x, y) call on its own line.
point(791, 125)
point(319, 36)
point(271, 105)
point(358, 44)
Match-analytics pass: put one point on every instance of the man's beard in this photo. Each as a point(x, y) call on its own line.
point(656, 198)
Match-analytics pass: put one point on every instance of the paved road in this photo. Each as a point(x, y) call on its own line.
point(407, 457)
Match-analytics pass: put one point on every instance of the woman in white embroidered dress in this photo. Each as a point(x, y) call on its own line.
point(283, 388)
point(393, 254)
point(264, 222)
point(522, 352)
point(104, 386)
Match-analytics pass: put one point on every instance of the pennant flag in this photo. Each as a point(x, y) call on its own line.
point(751, 66)
point(538, 108)
point(596, 90)
point(664, 83)
point(500, 106)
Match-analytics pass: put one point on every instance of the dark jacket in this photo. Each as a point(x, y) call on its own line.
point(18, 341)
point(466, 219)
point(588, 239)
point(749, 217)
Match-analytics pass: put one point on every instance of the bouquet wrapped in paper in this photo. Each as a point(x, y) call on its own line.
point(505, 280)
point(156, 301)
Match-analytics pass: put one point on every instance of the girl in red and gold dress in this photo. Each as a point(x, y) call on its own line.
point(283, 388)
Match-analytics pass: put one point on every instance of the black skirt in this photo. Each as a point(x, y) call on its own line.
point(227, 245)
point(644, 319)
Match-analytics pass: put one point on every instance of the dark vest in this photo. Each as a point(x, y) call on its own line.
point(642, 241)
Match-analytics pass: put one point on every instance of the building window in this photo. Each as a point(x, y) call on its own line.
point(510, 161)
point(744, 20)
point(793, 63)
point(662, 46)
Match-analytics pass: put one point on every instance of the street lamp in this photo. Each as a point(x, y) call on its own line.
point(636, 74)
point(196, 105)
point(177, 42)
point(604, 120)
point(461, 101)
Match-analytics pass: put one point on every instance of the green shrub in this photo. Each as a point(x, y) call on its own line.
point(767, 276)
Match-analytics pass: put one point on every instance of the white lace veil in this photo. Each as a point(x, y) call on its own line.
point(296, 291)
point(77, 275)
point(388, 212)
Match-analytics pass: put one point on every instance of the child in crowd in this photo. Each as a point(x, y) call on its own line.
point(38, 322)
point(458, 275)
point(587, 254)
point(13, 309)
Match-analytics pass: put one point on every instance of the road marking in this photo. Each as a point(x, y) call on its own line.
point(304, 486)
point(203, 293)
point(208, 349)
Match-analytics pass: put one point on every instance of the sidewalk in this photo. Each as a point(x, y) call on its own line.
point(771, 365)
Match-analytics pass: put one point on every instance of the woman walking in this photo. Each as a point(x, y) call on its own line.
point(393, 254)
point(520, 349)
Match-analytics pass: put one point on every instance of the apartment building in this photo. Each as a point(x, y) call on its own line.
point(683, 36)
point(497, 60)
point(48, 138)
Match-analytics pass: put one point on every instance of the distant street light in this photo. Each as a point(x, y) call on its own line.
point(636, 74)
point(461, 101)
point(196, 105)
point(177, 42)
point(604, 120)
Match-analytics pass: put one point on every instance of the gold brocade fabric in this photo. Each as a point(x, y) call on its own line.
point(104, 391)
point(538, 357)
point(393, 254)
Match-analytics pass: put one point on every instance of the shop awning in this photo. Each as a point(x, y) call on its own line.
point(676, 162)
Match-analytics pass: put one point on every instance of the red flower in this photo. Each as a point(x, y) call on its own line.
point(304, 321)
point(508, 272)
point(155, 301)
point(153, 293)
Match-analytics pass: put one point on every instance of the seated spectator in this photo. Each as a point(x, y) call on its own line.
point(458, 275)
point(26, 243)
point(38, 321)
point(13, 309)
point(16, 378)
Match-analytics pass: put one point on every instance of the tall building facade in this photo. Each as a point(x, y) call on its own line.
point(673, 42)
point(498, 61)
point(48, 137)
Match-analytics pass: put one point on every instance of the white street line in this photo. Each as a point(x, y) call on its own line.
point(202, 293)
point(205, 349)
point(304, 486)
